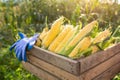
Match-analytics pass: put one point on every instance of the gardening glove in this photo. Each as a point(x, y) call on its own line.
point(22, 45)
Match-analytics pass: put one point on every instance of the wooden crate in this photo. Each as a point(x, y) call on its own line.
point(50, 66)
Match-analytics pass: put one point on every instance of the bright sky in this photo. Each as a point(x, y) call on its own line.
point(119, 1)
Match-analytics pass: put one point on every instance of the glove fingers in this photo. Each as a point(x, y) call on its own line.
point(24, 57)
point(22, 35)
point(11, 48)
point(20, 55)
point(16, 43)
point(18, 52)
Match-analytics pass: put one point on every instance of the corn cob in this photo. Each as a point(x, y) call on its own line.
point(82, 45)
point(38, 42)
point(41, 36)
point(67, 38)
point(94, 48)
point(83, 32)
point(44, 33)
point(53, 32)
point(101, 36)
point(60, 37)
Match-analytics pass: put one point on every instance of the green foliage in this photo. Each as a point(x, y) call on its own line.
point(11, 68)
point(117, 77)
point(28, 16)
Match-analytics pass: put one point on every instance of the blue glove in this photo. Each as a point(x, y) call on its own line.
point(22, 45)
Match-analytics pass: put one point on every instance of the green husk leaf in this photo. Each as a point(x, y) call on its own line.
point(83, 53)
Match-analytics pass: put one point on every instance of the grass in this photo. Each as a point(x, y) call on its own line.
point(11, 68)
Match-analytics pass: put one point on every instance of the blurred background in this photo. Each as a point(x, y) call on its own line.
point(31, 16)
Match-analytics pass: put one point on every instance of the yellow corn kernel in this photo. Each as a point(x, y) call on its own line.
point(68, 37)
point(41, 36)
point(53, 32)
point(83, 32)
point(44, 33)
point(82, 45)
point(94, 48)
point(60, 37)
point(101, 36)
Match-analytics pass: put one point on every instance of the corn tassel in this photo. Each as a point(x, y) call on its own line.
point(53, 32)
point(83, 32)
point(82, 45)
point(59, 38)
point(67, 38)
point(101, 36)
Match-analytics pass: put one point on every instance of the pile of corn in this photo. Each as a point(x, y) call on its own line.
point(74, 42)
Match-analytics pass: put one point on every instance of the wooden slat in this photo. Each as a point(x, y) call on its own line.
point(62, 62)
point(63, 75)
point(39, 72)
point(88, 75)
point(97, 58)
point(110, 73)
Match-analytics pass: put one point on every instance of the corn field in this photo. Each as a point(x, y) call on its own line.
point(31, 16)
